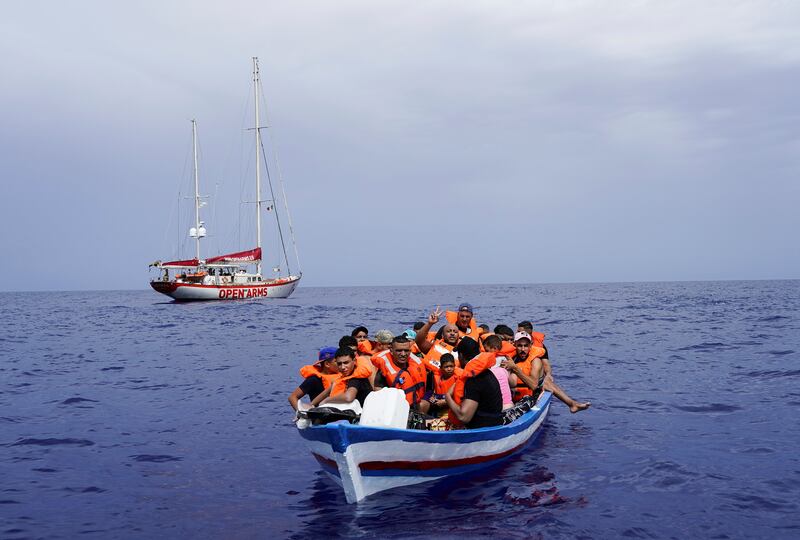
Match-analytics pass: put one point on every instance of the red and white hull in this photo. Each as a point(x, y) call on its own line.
point(281, 288)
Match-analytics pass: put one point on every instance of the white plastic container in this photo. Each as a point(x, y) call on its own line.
point(385, 408)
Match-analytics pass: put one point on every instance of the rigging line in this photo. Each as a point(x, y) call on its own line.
point(273, 145)
point(286, 207)
point(277, 216)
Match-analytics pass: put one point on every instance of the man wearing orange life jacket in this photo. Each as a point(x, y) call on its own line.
point(434, 349)
point(548, 383)
point(398, 368)
point(526, 364)
point(351, 384)
point(464, 321)
point(362, 337)
point(318, 377)
point(350, 341)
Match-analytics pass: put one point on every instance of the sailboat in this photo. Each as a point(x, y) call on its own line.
point(227, 276)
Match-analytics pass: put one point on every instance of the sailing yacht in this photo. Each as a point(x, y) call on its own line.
point(229, 276)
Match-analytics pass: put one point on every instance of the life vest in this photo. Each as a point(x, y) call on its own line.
point(537, 339)
point(361, 371)
point(474, 367)
point(410, 380)
point(473, 331)
point(365, 347)
point(313, 370)
point(439, 349)
point(522, 389)
point(441, 386)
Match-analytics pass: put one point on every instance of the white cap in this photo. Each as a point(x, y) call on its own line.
point(522, 335)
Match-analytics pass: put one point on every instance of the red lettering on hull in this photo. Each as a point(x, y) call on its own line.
point(241, 294)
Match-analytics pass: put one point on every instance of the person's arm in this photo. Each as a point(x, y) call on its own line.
point(463, 412)
point(532, 380)
point(345, 397)
point(547, 369)
point(295, 396)
point(422, 340)
point(325, 393)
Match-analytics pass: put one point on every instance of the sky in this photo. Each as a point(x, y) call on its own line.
point(463, 142)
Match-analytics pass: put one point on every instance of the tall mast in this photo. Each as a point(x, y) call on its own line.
point(196, 191)
point(258, 162)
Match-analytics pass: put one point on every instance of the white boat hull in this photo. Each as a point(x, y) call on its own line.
point(186, 292)
point(368, 460)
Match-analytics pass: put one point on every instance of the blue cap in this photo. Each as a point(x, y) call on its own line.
point(410, 334)
point(327, 353)
point(465, 306)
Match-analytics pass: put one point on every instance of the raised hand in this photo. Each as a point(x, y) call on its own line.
point(433, 318)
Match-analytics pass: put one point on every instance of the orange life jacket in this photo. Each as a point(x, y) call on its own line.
point(473, 331)
point(474, 367)
point(410, 380)
point(361, 371)
point(311, 370)
point(522, 389)
point(365, 347)
point(537, 339)
point(439, 349)
point(441, 386)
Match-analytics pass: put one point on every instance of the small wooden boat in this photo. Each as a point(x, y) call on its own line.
point(365, 460)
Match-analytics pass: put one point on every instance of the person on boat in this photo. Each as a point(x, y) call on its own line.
point(464, 320)
point(444, 378)
point(399, 368)
point(351, 342)
point(476, 399)
point(546, 381)
point(505, 332)
point(318, 376)
point(352, 382)
point(383, 340)
point(526, 364)
point(362, 336)
point(445, 343)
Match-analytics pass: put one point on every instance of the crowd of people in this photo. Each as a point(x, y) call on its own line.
point(464, 373)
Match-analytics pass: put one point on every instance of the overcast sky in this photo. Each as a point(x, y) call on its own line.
point(420, 142)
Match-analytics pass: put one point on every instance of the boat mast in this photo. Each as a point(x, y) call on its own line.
point(196, 191)
point(258, 163)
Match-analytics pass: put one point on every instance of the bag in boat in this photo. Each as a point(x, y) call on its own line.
point(333, 413)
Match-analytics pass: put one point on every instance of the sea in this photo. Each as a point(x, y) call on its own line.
point(126, 415)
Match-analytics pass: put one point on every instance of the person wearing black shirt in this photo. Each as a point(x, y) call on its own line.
point(356, 388)
point(313, 386)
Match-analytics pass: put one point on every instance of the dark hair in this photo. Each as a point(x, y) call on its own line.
point(439, 333)
point(402, 338)
point(493, 342)
point(348, 341)
point(418, 325)
point(503, 329)
point(485, 327)
point(344, 351)
point(359, 329)
point(447, 358)
point(467, 349)
point(527, 325)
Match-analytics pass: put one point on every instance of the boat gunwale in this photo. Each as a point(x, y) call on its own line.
point(354, 433)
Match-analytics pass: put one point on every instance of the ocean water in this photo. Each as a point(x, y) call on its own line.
point(124, 415)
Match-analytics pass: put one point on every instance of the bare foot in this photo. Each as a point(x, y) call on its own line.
point(577, 407)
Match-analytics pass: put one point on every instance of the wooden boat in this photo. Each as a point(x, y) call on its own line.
point(366, 460)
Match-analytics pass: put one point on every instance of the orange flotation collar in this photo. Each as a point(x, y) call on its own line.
point(473, 330)
point(361, 371)
point(313, 370)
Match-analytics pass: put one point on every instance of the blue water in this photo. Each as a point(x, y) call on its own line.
point(125, 416)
